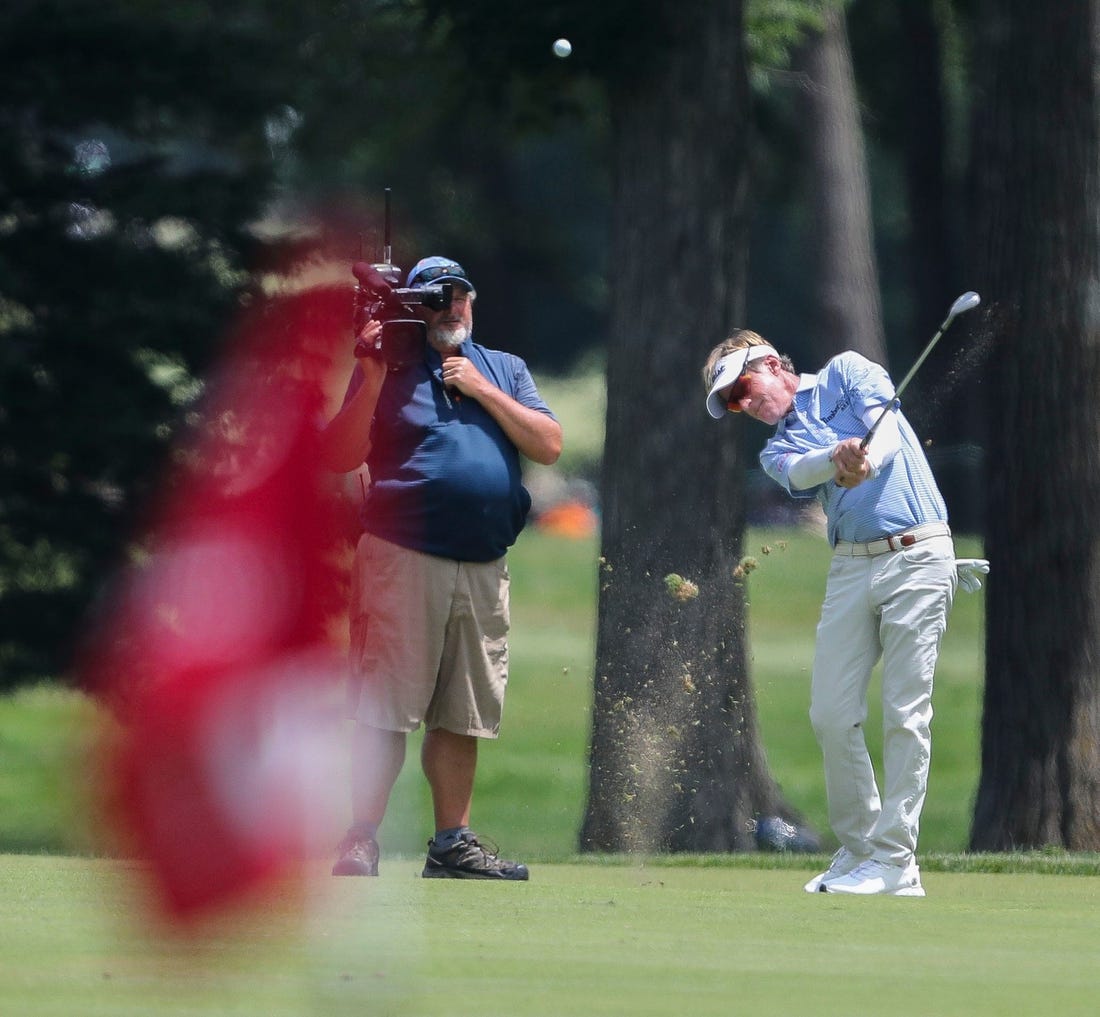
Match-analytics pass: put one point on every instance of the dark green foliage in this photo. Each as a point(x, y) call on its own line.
point(132, 161)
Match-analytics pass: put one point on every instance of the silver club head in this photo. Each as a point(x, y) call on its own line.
point(967, 302)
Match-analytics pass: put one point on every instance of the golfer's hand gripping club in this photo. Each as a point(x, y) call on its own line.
point(967, 302)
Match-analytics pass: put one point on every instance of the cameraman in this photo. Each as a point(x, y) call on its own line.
point(429, 603)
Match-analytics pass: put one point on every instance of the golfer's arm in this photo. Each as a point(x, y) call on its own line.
point(817, 467)
point(812, 469)
point(887, 440)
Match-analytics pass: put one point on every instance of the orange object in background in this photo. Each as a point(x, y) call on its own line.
point(569, 519)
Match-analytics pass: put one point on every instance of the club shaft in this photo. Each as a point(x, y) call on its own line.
point(892, 404)
point(896, 401)
point(924, 356)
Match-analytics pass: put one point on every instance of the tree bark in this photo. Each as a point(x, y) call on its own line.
point(676, 758)
point(1037, 151)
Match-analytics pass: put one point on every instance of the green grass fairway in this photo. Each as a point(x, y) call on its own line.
point(586, 939)
point(532, 782)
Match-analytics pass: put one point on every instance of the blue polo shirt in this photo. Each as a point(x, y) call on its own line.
point(831, 406)
point(444, 477)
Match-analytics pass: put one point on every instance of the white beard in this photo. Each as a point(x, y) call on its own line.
point(449, 337)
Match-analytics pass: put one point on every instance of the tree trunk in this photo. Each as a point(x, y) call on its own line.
point(934, 260)
point(1037, 152)
point(676, 759)
point(849, 307)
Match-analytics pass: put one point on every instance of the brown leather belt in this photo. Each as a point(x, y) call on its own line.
point(894, 542)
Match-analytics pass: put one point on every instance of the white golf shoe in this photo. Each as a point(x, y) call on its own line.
point(877, 877)
point(843, 862)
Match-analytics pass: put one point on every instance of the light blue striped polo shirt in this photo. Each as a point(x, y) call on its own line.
point(829, 407)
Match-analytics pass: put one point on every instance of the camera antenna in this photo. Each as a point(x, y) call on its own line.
point(387, 250)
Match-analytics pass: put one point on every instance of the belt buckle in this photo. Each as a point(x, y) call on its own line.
point(903, 539)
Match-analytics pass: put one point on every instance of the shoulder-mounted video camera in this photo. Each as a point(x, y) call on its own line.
point(379, 297)
point(403, 336)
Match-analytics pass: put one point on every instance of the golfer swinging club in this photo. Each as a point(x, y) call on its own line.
point(890, 586)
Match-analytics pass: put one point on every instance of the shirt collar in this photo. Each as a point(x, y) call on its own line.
point(805, 383)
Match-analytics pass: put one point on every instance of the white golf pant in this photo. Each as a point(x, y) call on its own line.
point(894, 606)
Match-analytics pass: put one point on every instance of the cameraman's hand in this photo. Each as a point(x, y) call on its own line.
point(459, 373)
point(536, 435)
point(369, 333)
point(368, 336)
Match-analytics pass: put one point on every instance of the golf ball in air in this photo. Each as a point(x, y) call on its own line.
point(562, 48)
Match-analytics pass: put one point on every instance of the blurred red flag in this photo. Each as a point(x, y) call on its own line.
point(216, 643)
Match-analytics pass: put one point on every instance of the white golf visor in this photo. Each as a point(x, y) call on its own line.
point(729, 369)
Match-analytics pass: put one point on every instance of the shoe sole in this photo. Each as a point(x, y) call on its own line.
point(459, 874)
point(903, 891)
point(818, 885)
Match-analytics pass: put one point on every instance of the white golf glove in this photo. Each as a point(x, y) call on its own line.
point(970, 571)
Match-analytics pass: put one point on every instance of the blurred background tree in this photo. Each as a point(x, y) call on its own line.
point(133, 166)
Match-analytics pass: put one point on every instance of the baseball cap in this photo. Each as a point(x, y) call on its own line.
point(728, 370)
point(436, 269)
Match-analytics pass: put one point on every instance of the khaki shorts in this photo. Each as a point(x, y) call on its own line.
point(429, 640)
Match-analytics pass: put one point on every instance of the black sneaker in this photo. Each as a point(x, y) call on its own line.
point(358, 856)
point(468, 859)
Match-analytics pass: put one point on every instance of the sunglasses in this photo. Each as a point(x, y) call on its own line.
point(434, 272)
point(738, 390)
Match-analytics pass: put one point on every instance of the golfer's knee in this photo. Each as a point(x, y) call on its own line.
point(831, 721)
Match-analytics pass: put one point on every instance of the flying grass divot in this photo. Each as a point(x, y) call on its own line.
point(745, 566)
point(679, 588)
point(683, 590)
point(749, 564)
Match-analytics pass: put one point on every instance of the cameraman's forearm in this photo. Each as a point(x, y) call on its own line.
point(544, 446)
point(535, 434)
point(345, 442)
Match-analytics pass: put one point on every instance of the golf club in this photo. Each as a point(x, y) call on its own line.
point(967, 302)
